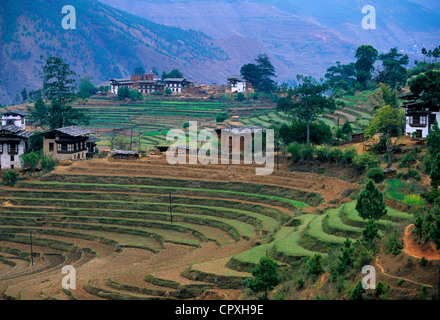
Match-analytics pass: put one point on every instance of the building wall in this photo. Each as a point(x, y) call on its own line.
point(238, 87)
point(80, 155)
point(175, 87)
point(235, 143)
point(424, 130)
point(5, 158)
point(18, 121)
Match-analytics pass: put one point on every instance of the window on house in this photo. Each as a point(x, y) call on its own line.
point(1, 148)
point(13, 148)
point(50, 146)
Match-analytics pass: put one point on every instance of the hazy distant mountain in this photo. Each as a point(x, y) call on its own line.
point(206, 39)
point(107, 43)
point(308, 35)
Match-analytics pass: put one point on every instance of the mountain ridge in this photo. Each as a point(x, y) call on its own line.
point(107, 43)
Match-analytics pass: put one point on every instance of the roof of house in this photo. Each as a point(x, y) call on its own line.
point(122, 81)
point(243, 130)
point(17, 131)
point(73, 131)
point(174, 79)
point(236, 78)
point(15, 112)
point(93, 139)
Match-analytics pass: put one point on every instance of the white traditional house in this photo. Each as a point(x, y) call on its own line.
point(115, 84)
point(14, 141)
point(237, 84)
point(420, 117)
point(177, 84)
point(14, 117)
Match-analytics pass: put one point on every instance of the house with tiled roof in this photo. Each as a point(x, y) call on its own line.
point(14, 141)
point(68, 143)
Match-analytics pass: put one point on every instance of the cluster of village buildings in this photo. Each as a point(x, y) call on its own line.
point(67, 143)
point(151, 83)
point(75, 143)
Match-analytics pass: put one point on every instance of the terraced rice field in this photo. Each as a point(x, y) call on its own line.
point(111, 220)
point(151, 120)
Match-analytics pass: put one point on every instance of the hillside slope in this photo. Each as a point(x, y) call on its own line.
point(107, 43)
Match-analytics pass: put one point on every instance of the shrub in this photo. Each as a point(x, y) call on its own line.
point(381, 146)
point(30, 160)
point(365, 161)
point(47, 162)
point(423, 293)
point(221, 117)
point(382, 289)
point(134, 94)
point(307, 152)
point(376, 174)
point(322, 153)
point(400, 282)
point(240, 96)
point(393, 244)
point(10, 177)
point(349, 154)
point(335, 154)
point(315, 266)
point(300, 283)
point(295, 150)
point(414, 199)
point(358, 292)
point(431, 196)
point(415, 175)
point(424, 261)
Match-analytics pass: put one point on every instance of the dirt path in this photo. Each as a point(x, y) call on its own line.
point(398, 278)
point(413, 249)
point(323, 280)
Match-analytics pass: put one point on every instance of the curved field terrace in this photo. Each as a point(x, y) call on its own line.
point(112, 220)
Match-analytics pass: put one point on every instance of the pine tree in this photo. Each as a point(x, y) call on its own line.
point(371, 207)
point(358, 292)
point(265, 276)
point(315, 265)
point(370, 203)
point(346, 257)
point(370, 232)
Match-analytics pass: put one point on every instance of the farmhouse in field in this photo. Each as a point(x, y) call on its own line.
point(237, 84)
point(14, 141)
point(238, 139)
point(420, 117)
point(68, 143)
